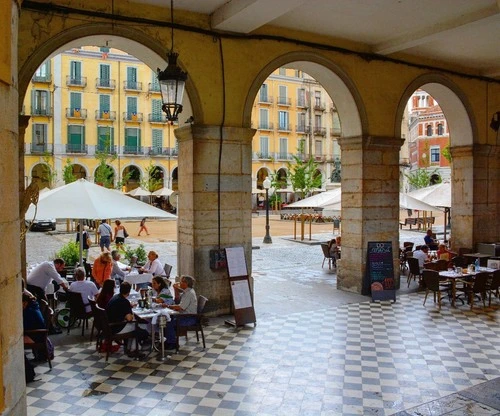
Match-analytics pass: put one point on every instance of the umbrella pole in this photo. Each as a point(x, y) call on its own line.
point(80, 231)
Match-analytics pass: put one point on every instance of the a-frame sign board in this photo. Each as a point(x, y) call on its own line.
point(241, 295)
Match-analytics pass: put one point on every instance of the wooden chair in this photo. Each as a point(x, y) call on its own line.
point(327, 256)
point(105, 330)
point(434, 284)
point(182, 330)
point(441, 265)
point(477, 286)
point(494, 286)
point(459, 261)
point(167, 269)
point(414, 270)
point(37, 339)
point(77, 311)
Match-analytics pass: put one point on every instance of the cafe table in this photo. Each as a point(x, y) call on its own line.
point(483, 258)
point(453, 276)
point(135, 278)
point(151, 315)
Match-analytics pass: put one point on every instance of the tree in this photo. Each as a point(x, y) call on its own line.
point(154, 178)
point(104, 173)
point(420, 178)
point(49, 175)
point(304, 175)
point(68, 175)
point(446, 153)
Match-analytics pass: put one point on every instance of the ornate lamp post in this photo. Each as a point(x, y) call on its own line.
point(172, 81)
point(267, 185)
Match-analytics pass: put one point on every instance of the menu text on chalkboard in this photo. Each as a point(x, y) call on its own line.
point(380, 271)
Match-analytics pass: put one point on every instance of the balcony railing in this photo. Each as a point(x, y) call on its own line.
point(132, 85)
point(162, 151)
point(109, 149)
point(320, 158)
point(335, 131)
point(79, 113)
point(301, 128)
point(284, 101)
point(319, 131)
point(301, 102)
point(283, 156)
point(105, 115)
point(132, 150)
point(154, 87)
point(265, 126)
point(105, 83)
point(40, 148)
point(133, 117)
point(319, 106)
point(265, 100)
point(76, 82)
point(284, 127)
point(157, 118)
point(46, 79)
point(76, 148)
point(37, 111)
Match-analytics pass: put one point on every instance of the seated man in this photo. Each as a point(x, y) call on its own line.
point(120, 310)
point(119, 269)
point(188, 304)
point(85, 287)
point(422, 256)
point(430, 241)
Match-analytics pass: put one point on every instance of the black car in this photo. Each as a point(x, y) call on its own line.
point(42, 225)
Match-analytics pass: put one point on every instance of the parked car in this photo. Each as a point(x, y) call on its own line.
point(41, 225)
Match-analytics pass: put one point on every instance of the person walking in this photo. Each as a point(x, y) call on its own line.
point(105, 235)
point(120, 234)
point(143, 227)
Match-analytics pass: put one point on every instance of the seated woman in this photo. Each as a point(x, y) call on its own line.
point(102, 268)
point(106, 293)
point(334, 251)
point(161, 291)
point(153, 265)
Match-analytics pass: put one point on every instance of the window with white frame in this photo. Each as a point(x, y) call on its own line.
point(428, 130)
point(264, 118)
point(264, 147)
point(440, 129)
point(435, 154)
point(283, 148)
point(283, 121)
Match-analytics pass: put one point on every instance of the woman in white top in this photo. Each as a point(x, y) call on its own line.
point(153, 265)
point(119, 234)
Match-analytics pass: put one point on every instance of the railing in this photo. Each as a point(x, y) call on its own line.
point(134, 117)
point(319, 131)
point(106, 83)
point(105, 115)
point(76, 148)
point(132, 150)
point(265, 100)
point(283, 156)
point(320, 158)
point(318, 106)
point(37, 111)
point(335, 131)
point(36, 148)
point(153, 87)
point(265, 126)
point(301, 128)
point(301, 102)
point(157, 118)
point(162, 151)
point(46, 79)
point(109, 149)
point(76, 82)
point(132, 85)
point(80, 113)
point(284, 127)
point(284, 101)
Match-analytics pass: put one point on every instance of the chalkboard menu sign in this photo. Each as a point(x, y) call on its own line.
point(380, 271)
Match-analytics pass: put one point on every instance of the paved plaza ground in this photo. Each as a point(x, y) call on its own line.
point(314, 351)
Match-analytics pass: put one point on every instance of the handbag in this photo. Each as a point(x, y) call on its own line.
point(125, 234)
point(89, 241)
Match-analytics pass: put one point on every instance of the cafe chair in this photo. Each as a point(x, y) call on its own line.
point(442, 265)
point(166, 269)
point(182, 330)
point(493, 286)
point(476, 286)
point(459, 261)
point(433, 283)
point(327, 256)
point(414, 270)
point(105, 330)
point(77, 311)
point(37, 340)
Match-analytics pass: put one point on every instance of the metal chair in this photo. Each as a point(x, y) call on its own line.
point(477, 286)
point(494, 286)
point(414, 270)
point(434, 284)
point(77, 311)
point(182, 330)
point(327, 255)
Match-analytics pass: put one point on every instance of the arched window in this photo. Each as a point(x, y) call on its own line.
point(440, 129)
point(429, 130)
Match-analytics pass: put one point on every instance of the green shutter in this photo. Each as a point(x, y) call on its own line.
point(104, 102)
point(75, 100)
point(104, 71)
point(131, 105)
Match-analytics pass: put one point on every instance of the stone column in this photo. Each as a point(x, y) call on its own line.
point(370, 204)
point(23, 124)
point(214, 205)
point(12, 384)
point(475, 195)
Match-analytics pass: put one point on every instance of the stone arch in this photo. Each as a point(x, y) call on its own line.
point(40, 173)
point(111, 176)
point(334, 79)
point(175, 178)
point(147, 49)
point(463, 135)
point(134, 179)
point(79, 171)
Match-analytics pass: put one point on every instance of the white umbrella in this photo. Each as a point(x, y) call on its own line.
point(319, 200)
point(408, 202)
point(139, 192)
point(258, 191)
point(82, 199)
point(163, 192)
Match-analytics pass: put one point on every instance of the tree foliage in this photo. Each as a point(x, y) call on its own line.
point(104, 173)
point(446, 153)
point(303, 175)
point(68, 175)
point(153, 180)
point(420, 178)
